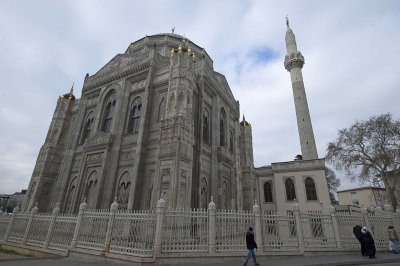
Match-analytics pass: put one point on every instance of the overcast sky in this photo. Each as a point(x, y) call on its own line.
point(351, 50)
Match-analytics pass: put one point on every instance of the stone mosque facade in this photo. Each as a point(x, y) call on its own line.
point(158, 120)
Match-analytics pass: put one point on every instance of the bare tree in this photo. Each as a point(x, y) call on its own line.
point(332, 181)
point(369, 151)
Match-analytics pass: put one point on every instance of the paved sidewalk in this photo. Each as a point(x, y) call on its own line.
point(383, 259)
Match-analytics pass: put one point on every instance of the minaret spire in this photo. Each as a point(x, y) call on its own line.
point(294, 62)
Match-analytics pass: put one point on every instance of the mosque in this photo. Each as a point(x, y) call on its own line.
point(158, 119)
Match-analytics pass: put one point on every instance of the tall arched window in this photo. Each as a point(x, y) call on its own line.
point(161, 110)
point(109, 115)
point(203, 194)
point(135, 115)
point(290, 190)
point(71, 195)
point(123, 191)
point(205, 126)
point(88, 127)
point(230, 141)
point(224, 196)
point(310, 189)
point(92, 193)
point(268, 191)
point(222, 125)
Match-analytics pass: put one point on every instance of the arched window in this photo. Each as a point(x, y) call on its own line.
point(310, 189)
point(205, 126)
point(123, 191)
point(222, 125)
point(88, 128)
point(290, 190)
point(224, 196)
point(92, 193)
point(135, 116)
point(109, 115)
point(268, 191)
point(203, 194)
point(161, 110)
point(71, 195)
point(230, 141)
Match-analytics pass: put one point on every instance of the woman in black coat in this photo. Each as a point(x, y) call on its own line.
point(369, 243)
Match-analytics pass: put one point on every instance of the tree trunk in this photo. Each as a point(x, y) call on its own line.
point(392, 196)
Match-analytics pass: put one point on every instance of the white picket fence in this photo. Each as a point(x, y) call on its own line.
point(148, 234)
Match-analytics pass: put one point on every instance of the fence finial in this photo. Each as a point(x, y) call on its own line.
point(256, 207)
point(83, 205)
point(161, 201)
point(114, 205)
point(211, 205)
point(56, 209)
point(35, 209)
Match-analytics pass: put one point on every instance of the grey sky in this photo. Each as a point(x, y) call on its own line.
point(350, 48)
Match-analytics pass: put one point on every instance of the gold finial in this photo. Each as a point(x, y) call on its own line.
point(62, 98)
point(70, 98)
point(243, 117)
point(173, 30)
point(72, 88)
point(180, 49)
point(188, 51)
point(59, 98)
point(172, 52)
point(193, 56)
point(287, 21)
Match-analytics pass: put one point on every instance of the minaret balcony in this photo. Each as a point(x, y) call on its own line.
point(294, 60)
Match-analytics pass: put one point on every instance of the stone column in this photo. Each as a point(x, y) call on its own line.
point(28, 226)
point(211, 226)
point(82, 209)
point(56, 211)
point(257, 225)
point(15, 212)
point(299, 228)
point(159, 226)
point(335, 226)
point(113, 210)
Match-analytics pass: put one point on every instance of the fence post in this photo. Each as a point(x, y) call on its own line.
point(257, 225)
point(82, 209)
point(113, 210)
point(159, 225)
point(15, 212)
point(56, 211)
point(299, 228)
point(28, 226)
point(366, 219)
point(211, 226)
point(335, 226)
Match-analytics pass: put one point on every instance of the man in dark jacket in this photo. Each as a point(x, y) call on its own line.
point(251, 245)
point(359, 236)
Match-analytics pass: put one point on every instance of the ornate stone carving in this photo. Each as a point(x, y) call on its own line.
point(99, 139)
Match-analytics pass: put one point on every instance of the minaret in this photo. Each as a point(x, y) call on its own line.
point(294, 61)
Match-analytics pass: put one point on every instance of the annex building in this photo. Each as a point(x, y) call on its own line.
point(158, 119)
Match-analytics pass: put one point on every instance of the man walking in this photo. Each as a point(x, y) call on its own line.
point(251, 245)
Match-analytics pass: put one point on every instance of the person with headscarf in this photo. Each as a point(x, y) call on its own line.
point(369, 243)
point(359, 236)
